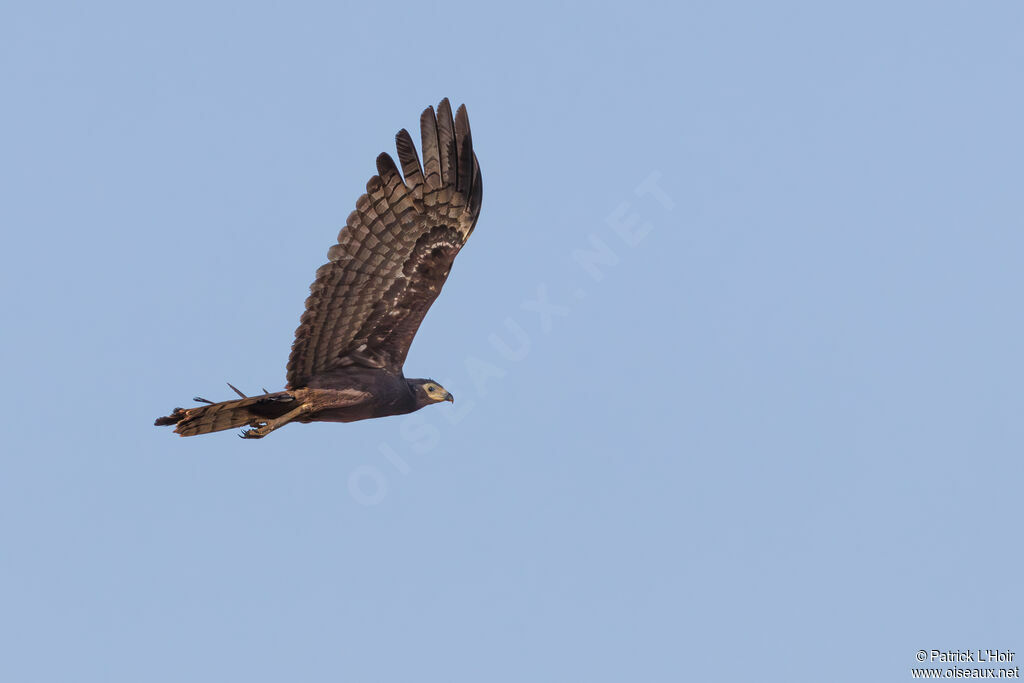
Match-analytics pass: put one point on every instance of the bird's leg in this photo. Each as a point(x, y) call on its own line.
point(258, 432)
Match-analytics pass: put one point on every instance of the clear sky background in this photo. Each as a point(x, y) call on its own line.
point(775, 435)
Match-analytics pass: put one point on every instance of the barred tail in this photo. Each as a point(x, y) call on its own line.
point(227, 414)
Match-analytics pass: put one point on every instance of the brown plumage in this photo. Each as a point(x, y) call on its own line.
point(366, 304)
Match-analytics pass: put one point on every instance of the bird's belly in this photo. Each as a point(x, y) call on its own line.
point(364, 411)
point(350, 414)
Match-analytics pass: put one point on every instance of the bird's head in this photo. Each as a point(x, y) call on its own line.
point(428, 391)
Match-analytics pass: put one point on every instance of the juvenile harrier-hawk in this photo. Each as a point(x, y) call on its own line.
point(364, 308)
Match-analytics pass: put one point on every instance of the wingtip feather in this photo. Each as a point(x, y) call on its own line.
point(409, 159)
point(449, 155)
point(431, 151)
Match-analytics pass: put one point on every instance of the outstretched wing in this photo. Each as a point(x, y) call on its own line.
point(394, 253)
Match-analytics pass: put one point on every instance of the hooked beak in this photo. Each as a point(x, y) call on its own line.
point(448, 397)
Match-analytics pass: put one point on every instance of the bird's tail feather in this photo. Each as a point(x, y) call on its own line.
point(216, 417)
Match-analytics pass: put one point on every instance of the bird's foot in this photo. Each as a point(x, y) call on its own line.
point(257, 432)
point(260, 428)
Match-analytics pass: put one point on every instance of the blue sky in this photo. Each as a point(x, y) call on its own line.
point(774, 434)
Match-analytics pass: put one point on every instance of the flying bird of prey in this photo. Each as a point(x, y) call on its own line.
point(364, 308)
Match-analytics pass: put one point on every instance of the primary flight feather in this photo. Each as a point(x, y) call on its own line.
point(366, 303)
